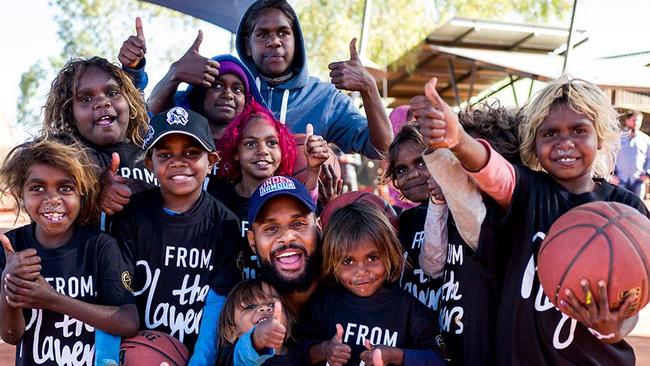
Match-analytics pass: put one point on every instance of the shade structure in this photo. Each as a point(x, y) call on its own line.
point(223, 13)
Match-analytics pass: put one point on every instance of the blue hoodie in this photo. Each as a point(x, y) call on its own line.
point(309, 100)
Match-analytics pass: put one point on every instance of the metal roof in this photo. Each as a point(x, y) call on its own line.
point(469, 56)
point(474, 33)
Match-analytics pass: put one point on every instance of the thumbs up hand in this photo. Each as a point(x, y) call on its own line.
point(336, 351)
point(25, 264)
point(134, 48)
point(194, 69)
point(115, 193)
point(378, 355)
point(438, 123)
point(350, 74)
point(316, 149)
point(271, 332)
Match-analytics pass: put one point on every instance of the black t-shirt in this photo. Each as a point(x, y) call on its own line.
point(530, 330)
point(90, 268)
point(139, 178)
point(226, 193)
point(389, 317)
point(468, 302)
point(413, 279)
point(177, 259)
point(293, 357)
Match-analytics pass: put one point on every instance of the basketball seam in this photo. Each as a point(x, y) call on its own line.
point(153, 348)
point(626, 232)
point(599, 230)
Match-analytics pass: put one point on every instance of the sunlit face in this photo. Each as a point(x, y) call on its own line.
point(101, 112)
point(53, 202)
point(249, 314)
point(411, 172)
point(181, 164)
point(566, 144)
point(224, 100)
point(284, 237)
point(361, 271)
point(259, 153)
point(271, 44)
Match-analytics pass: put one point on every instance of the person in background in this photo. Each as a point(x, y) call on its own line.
point(633, 161)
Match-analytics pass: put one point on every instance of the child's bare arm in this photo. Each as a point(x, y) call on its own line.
point(38, 294)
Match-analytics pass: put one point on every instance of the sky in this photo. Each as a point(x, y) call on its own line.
point(613, 26)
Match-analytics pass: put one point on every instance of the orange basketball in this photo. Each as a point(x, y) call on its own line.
point(152, 348)
point(606, 241)
point(356, 196)
point(300, 164)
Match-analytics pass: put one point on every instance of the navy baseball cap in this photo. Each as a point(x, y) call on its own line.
point(179, 120)
point(278, 186)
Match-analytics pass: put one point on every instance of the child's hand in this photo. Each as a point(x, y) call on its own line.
point(350, 74)
point(37, 294)
point(271, 332)
point(330, 185)
point(194, 69)
point(134, 48)
point(441, 129)
point(337, 352)
point(316, 149)
point(115, 193)
point(595, 314)
point(25, 264)
point(380, 355)
point(377, 359)
point(436, 192)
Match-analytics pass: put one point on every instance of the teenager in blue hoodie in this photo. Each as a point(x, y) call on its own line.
point(270, 43)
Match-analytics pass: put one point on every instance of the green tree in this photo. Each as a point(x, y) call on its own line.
point(87, 28)
point(398, 25)
point(26, 110)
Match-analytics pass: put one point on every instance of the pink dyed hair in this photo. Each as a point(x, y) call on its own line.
point(229, 143)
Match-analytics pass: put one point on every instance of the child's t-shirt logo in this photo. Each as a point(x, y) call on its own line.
point(177, 116)
point(127, 280)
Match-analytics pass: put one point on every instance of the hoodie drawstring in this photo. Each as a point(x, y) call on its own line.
point(285, 100)
point(283, 107)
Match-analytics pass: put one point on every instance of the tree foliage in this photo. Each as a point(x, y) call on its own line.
point(398, 25)
point(88, 28)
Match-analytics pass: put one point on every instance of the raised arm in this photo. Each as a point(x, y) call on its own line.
point(351, 75)
point(191, 68)
point(492, 173)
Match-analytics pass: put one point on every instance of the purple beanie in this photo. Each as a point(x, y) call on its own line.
point(229, 67)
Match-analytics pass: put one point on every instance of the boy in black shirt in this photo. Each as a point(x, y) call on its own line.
point(182, 240)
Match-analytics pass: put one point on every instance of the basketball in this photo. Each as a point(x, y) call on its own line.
point(597, 241)
point(152, 348)
point(300, 164)
point(356, 196)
